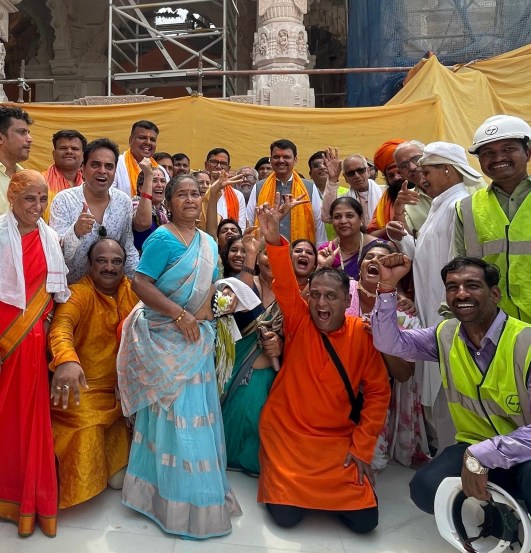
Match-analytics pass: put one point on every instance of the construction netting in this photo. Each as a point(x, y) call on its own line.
point(398, 33)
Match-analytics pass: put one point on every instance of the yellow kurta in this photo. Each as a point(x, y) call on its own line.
point(91, 439)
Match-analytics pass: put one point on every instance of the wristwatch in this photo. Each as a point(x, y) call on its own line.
point(473, 465)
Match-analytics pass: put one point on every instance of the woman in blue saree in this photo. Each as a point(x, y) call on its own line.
point(166, 375)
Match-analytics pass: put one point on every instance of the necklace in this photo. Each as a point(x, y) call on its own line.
point(360, 248)
point(366, 292)
point(180, 234)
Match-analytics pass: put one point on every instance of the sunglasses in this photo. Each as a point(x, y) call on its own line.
point(360, 171)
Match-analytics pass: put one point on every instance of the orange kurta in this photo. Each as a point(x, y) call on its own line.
point(305, 431)
point(91, 439)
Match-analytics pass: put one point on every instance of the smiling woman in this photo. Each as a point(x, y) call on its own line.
point(32, 269)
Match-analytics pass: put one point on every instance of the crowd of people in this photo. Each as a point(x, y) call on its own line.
point(160, 325)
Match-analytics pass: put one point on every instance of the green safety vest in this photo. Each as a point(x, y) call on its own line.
point(491, 236)
point(497, 402)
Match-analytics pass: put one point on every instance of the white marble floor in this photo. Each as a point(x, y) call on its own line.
point(104, 525)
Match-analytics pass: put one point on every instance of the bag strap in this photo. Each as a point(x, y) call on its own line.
point(355, 401)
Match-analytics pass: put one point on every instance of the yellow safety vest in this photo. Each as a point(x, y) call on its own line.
point(490, 404)
point(491, 236)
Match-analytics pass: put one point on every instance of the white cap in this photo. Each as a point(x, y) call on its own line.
point(437, 153)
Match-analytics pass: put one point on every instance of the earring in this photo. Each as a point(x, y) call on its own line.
point(446, 171)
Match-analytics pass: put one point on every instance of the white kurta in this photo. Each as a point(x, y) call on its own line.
point(430, 253)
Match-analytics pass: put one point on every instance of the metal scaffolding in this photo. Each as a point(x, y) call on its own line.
point(205, 41)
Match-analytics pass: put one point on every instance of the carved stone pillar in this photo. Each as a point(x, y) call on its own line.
point(6, 7)
point(280, 42)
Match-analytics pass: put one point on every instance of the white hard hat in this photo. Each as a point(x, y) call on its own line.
point(496, 526)
point(500, 127)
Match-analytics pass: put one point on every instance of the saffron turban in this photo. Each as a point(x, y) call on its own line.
point(383, 157)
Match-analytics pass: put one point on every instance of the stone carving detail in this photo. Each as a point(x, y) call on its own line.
point(280, 42)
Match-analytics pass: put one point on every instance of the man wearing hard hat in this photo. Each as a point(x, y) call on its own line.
point(494, 224)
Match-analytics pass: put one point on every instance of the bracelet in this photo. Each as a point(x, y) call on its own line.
point(248, 270)
point(384, 290)
point(146, 195)
point(49, 317)
point(183, 313)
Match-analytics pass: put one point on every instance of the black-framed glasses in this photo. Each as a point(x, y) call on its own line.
point(218, 163)
point(405, 165)
point(359, 171)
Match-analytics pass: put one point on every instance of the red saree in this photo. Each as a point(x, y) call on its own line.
point(28, 484)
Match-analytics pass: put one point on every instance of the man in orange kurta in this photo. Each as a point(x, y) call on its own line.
point(90, 433)
point(312, 456)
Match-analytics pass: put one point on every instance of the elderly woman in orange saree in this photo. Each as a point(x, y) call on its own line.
point(32, 270)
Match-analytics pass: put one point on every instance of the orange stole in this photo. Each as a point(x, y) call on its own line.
point(17, 330)
point(302, 223)
point(133, 169)
point(383, 213)
point(233, 205)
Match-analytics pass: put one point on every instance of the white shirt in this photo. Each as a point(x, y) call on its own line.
point(320, 231)
point(242, 212)
point(117, 220)
point(430, 253)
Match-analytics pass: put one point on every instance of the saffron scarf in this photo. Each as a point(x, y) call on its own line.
point(233, 205)
point(133, 169)
point(19, 327)
point(382, 214)
point(302, 222)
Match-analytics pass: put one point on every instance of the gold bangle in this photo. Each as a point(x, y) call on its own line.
point(180, 316)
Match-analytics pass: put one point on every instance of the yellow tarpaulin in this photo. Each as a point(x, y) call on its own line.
point(195, 125)
point(435, 104)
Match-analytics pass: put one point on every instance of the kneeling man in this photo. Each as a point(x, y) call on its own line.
point(313, 456)
point(484, 358)
point(91, 437)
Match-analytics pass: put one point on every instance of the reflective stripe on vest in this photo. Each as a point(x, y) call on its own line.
point(488, 234)
point(490, 404)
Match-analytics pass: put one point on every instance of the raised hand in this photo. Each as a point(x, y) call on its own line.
point(333, 163)
point(326, 256)
point(406, 196)
point(269, 220)
point(84, 222)
point(222, 181)
point(392, 268)
point(250, 243)
point(290, 202)
point(146, 167)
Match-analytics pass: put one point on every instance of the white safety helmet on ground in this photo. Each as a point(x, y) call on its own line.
point(500, 127)
point(496, 526)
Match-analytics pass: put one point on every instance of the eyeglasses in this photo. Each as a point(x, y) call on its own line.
point(405, 165)
point(318, 164)
point(218, 163)
point(359, 171)
point(250, 178)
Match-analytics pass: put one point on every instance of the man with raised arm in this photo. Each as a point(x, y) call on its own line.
point(313, 456)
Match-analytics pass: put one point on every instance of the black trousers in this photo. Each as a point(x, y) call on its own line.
point(361, 521)
point(423, 486)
